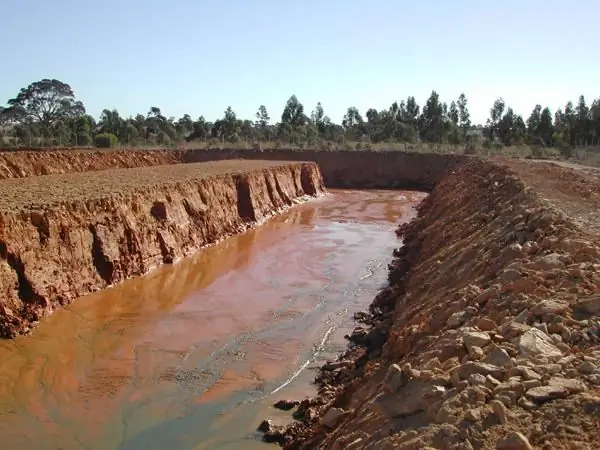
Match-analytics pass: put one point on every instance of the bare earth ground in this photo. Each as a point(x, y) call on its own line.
point(575, 190)
point(42, 191)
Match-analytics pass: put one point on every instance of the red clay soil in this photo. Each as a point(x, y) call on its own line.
point(18, 164)
point(489, 334)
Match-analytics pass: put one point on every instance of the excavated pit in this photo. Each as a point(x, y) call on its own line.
point(487, 335)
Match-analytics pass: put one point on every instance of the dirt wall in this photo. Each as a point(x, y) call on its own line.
point(341, 169)
point(488, 336)
point(53, 253)
point(359, 169)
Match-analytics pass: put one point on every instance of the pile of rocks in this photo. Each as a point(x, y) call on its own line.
point(488, 336)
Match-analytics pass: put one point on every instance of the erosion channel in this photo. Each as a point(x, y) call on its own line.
point(192, 356)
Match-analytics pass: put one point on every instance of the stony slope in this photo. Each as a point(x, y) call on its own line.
point(63, 236)
point(488, 336)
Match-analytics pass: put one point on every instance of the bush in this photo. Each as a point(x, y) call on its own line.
point(106, 140)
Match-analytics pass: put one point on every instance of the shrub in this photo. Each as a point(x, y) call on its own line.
point(106, 140)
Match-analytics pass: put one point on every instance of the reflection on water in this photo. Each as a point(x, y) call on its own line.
point(185, 357)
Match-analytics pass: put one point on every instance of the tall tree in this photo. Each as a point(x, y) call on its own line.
point(293, 113)
point(47, 102)
point(496, 113)
point(453, 113)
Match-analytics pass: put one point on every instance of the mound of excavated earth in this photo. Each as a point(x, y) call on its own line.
point(63, 236)
point(489, 333)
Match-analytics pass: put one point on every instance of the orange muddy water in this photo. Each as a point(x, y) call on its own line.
point(192, 356)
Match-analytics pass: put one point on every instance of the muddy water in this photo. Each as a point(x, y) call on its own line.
point(193, 355)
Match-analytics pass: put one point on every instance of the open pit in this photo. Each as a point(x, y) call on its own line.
point(487, 334)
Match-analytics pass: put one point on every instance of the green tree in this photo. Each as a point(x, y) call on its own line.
point(293, 113)
point(48, 102)
point(431, 121)
point(496, 114)
point(453, 114)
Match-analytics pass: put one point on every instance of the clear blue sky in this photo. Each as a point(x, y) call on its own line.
point(198, 57)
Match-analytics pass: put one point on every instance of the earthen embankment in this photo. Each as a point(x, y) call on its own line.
point(63, 236)
point(359, 169)
point(487, 337)
point(356, 169)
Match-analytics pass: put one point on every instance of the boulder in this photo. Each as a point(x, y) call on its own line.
point(534, 343)
point(549, 307)
point(286, 405)
point(332, 417)
point(514, 441)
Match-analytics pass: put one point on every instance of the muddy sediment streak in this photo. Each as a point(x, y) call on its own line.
point(487, 337)
point(63, 236)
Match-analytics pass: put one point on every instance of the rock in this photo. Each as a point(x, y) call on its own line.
point(477, 380)
point(412, 398)
point(500, 411)
point(534, 343)
point(491, 382)
point(511, 387)
point(476, 339)
point(486, 324)
point(513, 329)
point(514, 441)
point(286, 405)
point(330, 366)
point(510, 275)
point(475, 353)
point(549, 307)
point(587, 367)
point(526, 404)
point(498, 357)
point(471, 367)
point(589, 305)
point(573, 386)
point(394, 378)
point(332, 417)
point(530, 384)
point(544, 394)
point(265, 426)
point(457, 319)
point(594, 379)
point(549, 262)
point(474, 415)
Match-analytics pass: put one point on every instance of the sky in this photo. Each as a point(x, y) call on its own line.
point(198, 57)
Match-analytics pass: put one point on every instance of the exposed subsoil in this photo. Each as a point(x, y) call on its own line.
point(489, 333)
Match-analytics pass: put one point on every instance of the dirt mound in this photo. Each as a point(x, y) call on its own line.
point(63, 236)
point(488, 336)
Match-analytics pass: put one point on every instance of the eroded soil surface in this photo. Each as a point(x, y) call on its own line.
point(193, 356)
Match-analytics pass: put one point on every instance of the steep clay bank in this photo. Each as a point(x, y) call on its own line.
point(360, 169)
point(488, 336)
point(357, 169)
point(63, 236)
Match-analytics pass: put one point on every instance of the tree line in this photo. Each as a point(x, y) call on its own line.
point(47, 113)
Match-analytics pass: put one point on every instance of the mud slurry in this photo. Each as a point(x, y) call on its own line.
point(489, 333)
point(63, 236)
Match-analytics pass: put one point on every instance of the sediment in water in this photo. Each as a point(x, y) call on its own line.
point(490, 328)
point(63, 236)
